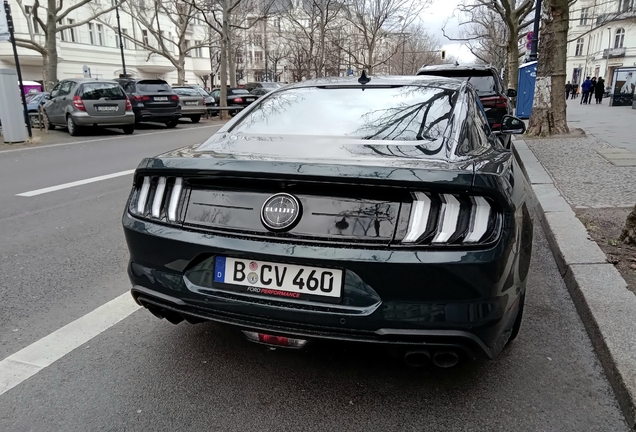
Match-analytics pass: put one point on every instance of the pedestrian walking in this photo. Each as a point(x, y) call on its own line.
point(575, 91)
point(568, 90)
point(585, 88)
point(592, 90)
point(599, 90)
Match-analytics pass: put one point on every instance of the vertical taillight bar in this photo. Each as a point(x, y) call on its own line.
point(449, 214)
point(480, 214)
point(143, 195)
point(156, 202)
point(420, 210)
point(174, 199)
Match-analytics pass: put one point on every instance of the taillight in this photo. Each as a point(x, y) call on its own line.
point(174, 97)
point(139, 98)
point(128, 105)
point(439, 219)
point(238, 100)
point(78, 103)
point(494, 102)
point(280, 341)
point(157, 198)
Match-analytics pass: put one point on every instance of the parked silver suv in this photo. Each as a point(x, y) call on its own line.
point(89, 102)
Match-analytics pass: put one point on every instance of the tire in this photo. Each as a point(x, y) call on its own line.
point(172, 124)
point(73, 129)
point(128, 130)
point(47, 122)
point(516, 327)
point(195, 118)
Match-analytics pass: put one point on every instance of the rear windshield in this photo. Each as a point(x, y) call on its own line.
point(186, 91)
point(97, 91)
point(483, 82)
point(152, 86)
point(405, 113)
point(237, 91)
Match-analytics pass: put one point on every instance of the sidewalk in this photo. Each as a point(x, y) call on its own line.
point(584, 187)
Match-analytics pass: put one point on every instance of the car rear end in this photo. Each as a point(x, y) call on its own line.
point(395, 243)
point(192, 103)
point(155, 101)
point(101, 103)
point(240, 98)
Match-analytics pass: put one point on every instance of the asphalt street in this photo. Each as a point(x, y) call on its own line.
point(64, 255)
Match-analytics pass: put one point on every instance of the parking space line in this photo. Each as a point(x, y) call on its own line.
point(75, 183)
point(139, 135)
point(27, 362)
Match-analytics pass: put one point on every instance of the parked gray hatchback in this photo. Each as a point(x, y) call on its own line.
point(89, 102)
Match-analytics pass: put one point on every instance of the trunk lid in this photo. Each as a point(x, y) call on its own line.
point(103, 99)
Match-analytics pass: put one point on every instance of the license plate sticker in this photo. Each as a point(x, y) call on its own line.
point(161, 98)
point(279, 280)
point(107, 108)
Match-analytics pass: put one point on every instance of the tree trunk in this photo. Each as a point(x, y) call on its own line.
point(629, 231)
point(231, 58)
point(223, 58)
point(512, 71)
point(50, 60)
point(549, 110)
point(370, 60)
point(181, 67)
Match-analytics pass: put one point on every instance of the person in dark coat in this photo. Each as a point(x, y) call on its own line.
point(568, 90)
point(592, 90)
point(599, 91)
point(586, 87)
point(575, 90)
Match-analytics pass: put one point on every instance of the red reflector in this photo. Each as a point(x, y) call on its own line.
point(239, 100)
point(496, 125)
point(128, 105)
point(273, 340)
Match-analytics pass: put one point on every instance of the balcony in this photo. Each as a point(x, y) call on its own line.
point(614, 52)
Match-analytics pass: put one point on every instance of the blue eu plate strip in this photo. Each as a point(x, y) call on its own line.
point(219, 269)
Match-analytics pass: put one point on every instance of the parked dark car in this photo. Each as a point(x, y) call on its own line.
point(236, 97)
point(153, 100)
point(260, 91)
point(80, 103)
point(192, 103)
point(34, 100)
point(488, 85)
point(381, 211)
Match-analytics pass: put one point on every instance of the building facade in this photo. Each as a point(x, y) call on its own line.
point(602, 38)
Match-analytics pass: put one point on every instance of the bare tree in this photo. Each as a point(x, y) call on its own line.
point(549, 109)
point(372, 22)
point(416, 49)
point(157, 38)
point(48, 18)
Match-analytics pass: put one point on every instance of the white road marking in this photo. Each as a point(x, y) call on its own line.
point(28, 361)
point(107, 139)
point(75, 183)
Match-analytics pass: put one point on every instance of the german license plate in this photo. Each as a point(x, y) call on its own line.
point(280, 280)
point(250, 99)
point(107, 108)
point(161, 98)
point(191, 103)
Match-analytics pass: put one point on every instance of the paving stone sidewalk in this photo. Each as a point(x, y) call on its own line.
point(587, 170)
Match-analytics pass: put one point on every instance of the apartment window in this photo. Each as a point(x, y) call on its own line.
point(71, 31)
point(29, 12)
point(258, 40)
point(579, 47)
point(91, 33)
point(258, 56)
point(100, 34)
point(585, 13)
point(124, 41)
point(186, 48)
point(619, 40)
point(198, 51)
point(625, 5)
point(144, 37)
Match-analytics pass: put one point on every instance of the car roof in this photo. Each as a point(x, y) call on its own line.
point(91, 80)
point(451, 67)
point(384, 80)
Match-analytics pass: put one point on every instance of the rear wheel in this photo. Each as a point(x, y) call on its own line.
point(73, 129)
point(47, 122)
point(129, 129)
point(172, 124)
point(195, 118)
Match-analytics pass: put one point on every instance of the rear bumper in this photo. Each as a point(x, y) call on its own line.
point(465, 299)
point(191, 111)
point(84, 119)
point(158, 115)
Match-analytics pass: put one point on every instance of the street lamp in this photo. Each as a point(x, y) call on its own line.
point(121, 42)
point(609, 47)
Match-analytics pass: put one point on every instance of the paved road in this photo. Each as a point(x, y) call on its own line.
point(63, 256)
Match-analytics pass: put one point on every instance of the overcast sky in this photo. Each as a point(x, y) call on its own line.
point(435, 16)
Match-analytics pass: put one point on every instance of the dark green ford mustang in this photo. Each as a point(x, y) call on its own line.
point(378, 210)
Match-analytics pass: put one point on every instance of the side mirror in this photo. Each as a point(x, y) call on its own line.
point(511, 93)
point(512, 126)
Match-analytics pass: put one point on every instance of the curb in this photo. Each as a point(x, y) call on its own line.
point(605, 305)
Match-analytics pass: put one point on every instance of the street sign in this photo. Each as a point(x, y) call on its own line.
point(530, 36)
point(529, 45)
point(4, 26)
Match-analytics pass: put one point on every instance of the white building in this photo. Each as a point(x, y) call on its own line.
point(96, 45)
point(603, 38)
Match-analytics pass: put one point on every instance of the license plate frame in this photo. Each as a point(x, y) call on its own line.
point(280, 284)
point(250, 99)
point(160, 98)
point(106, 108)
point(191, 103)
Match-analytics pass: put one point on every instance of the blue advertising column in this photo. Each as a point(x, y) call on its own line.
point(525, 89)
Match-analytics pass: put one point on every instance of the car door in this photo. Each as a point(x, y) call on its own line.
point(51, 106)
point(216, 95)
point(64, 101)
